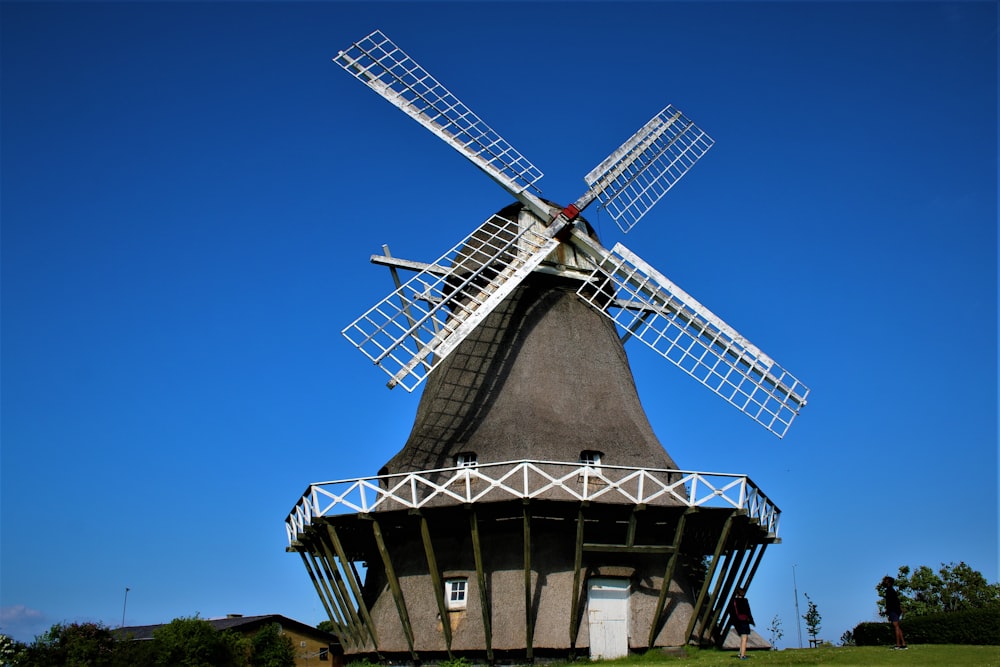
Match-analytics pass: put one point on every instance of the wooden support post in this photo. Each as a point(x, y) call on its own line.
point(743, 581)
point(730, 562)
point(340, 591)
point(352, 579)
point(345, 623)
point(748, 577)
point(574, 609)
point(632, 521)
point(724, 591)
point(529, 626)
point(720, 624)
point(484, 598)
point(668, 576)
point(397, 592)
point(432, 568)
point(696, 612)
point(335, 619)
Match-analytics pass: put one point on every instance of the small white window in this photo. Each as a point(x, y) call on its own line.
point(466, 460)
point(455, 592)
point(589, 457)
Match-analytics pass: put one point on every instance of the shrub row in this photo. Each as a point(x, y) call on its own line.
point(974, 626)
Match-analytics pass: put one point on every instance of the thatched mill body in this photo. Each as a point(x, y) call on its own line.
point(532, 510)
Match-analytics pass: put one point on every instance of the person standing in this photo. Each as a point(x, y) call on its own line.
point(894, 610)
point(739, 611)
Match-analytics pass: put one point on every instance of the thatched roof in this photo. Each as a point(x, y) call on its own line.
point(544, 377)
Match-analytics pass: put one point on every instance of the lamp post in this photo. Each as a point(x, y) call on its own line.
point(124, 605)
point(798, 618)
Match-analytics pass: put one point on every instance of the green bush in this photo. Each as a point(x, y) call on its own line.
point(974, 626)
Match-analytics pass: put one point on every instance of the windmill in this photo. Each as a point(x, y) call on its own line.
point(532, 508)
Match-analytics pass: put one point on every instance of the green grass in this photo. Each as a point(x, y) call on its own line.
point(936, 655)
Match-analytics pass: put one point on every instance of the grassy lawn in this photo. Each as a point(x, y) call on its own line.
point(937, 655)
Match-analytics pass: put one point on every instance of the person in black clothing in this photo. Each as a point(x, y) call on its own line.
point(739, 611)
point(894, 610)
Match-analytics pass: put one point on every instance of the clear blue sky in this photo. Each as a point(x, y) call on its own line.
point(191, 192)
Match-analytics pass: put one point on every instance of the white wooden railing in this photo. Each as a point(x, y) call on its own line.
point(489, 482)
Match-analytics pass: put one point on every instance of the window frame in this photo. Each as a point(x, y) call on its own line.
point(466, 460)
point(456, 593)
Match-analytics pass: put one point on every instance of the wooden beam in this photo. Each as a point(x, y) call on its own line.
point(484, 598)
point(574, 609)
point(529, 628)
point(397, 592)
point(432, 568)
point(322, 595)
point(351, 575)
point(720, 619)
point(668, 575)
point(745, 578)
point(410, 265)
point(626, 549)
point(724, 592)
point(340, 591)
point(324, 575)
point(696, 611)
point(632, 521)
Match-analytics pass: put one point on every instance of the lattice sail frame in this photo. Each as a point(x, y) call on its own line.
point(635, 177)
point(628, 183)
point(386, 69)
point(650, 307)
point(412, 330)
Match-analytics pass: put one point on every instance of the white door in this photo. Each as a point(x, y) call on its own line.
point(607, 602)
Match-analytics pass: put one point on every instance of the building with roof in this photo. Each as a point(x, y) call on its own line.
point(312, 645)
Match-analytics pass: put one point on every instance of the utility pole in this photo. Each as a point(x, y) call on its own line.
point(798, 617)
point(123, 606)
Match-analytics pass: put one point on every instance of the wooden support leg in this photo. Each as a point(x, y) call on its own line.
point(668, 576)
point(484, 599)
point(435, 573)
point(724, 590)
point(320, 590)
point(574, 610)
point(529, 629)
point(339, 588)
point(709, 575)
point(397, 591)
point(350, 574)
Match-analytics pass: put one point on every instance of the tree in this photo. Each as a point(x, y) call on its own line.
point(10, 650)
point(953, 588)
point(327, 626)
point(193, 642)
point(72, 645)
point(812, 618)
point(271, 648)
point(776, 632)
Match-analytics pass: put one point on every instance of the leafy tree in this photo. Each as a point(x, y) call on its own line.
point(72, 645)
point(10, 650)
point(271, 648)
point(193, 642)
point(812, 618)
point(954, 587)
point(847, 639)
point(327, 626)
point(776, 632)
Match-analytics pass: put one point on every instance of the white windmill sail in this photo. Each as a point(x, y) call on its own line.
point(386, 69)
point(412, 330)
point(643, 169)
point(650, 307)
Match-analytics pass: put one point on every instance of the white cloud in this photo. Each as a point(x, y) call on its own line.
point(22, 623)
